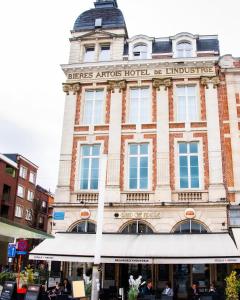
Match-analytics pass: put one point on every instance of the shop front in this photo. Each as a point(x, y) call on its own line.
point(181, 259)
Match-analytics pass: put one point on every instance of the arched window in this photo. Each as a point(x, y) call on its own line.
point(184, 49)
point(84, 227)
point(137, 227)
point(190, 226)
point(140, 51)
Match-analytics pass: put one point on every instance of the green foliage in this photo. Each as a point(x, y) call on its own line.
point(28, 276)
point(232, 286)
point(7, 276)
point(132, 293)
point(88, 289)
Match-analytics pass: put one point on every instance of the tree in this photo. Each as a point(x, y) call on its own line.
point(232, 286)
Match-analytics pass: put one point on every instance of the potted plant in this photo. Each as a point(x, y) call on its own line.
point(88, 286)
point(232, 286)
point(134, 287)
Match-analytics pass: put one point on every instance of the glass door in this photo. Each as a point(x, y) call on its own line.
point(181, 279)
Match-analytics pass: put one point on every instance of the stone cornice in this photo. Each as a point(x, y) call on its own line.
point(154, 63)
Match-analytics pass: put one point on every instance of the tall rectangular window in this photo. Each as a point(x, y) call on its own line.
point(30, 195)
point(138, 166)
point(18, 211)
point(93, 107)
point(187, 104)
point(89, 167)
point(189, 165)
point(104, 54)
point(23, 172)
point(20, 191)
point(89, 53)
point(139, 108)
point(32, 177)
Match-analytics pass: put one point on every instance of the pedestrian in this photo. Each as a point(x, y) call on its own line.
point(213, 291)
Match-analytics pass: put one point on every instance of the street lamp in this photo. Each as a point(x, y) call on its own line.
point(100, 217)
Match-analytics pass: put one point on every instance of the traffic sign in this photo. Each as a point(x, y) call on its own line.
point(22, 245)
point(11, 250)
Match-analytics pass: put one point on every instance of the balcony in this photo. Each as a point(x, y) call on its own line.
point(190, 196)
point(87, 197)
point(136, 197)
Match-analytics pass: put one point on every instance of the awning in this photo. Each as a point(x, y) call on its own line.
point(146, 249)
point(10, 230)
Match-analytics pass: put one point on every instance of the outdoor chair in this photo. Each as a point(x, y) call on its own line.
point(165, 297)
point(206, 297)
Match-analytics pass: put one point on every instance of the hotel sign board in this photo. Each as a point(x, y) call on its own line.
point(178, 71)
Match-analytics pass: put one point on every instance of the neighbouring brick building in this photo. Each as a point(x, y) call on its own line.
point(8, 186)
point(166, 113)
point(29, 201)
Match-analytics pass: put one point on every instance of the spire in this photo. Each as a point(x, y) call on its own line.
point(105, 3)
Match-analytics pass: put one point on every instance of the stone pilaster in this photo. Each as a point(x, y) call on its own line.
point(216, 187)
point(63, 187)
point(163, 190)
point(113, 168)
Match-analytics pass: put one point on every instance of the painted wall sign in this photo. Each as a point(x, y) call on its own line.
point(130, 73)
point(59, 215)
point(190, 213)
point(85, 214)
point(140, 215)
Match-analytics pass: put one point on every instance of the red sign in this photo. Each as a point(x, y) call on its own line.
point(22, 245)
point(85, 214)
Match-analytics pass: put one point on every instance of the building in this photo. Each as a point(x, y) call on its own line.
point(165, 112)
point(23, 204)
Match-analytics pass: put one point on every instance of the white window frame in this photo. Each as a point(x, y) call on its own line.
point(200, 163)
point(30, 195)
point(85, 57)
point(90, 157)
point(184, 51)
point(102, 57)
point(22, 195)
point(18, 211)
point(139, 121)
point(138, 165)
point(29, 214)
point(84, 122)
point(44, 204)
point(143, 54)
point(23, 172)
point(32, 177)
point(176, 102)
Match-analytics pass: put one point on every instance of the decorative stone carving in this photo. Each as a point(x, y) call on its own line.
point(120, 85)
point(71, 87)
point(206, 80)
point(166, 82)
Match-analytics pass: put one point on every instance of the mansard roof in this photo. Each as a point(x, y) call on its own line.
point(112, 18)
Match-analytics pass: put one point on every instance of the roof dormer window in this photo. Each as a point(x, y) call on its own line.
point(89, 53)
point(184, 49)
point(104, 54)
point(140, 51)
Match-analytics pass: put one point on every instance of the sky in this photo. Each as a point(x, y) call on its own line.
point(35, 41)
